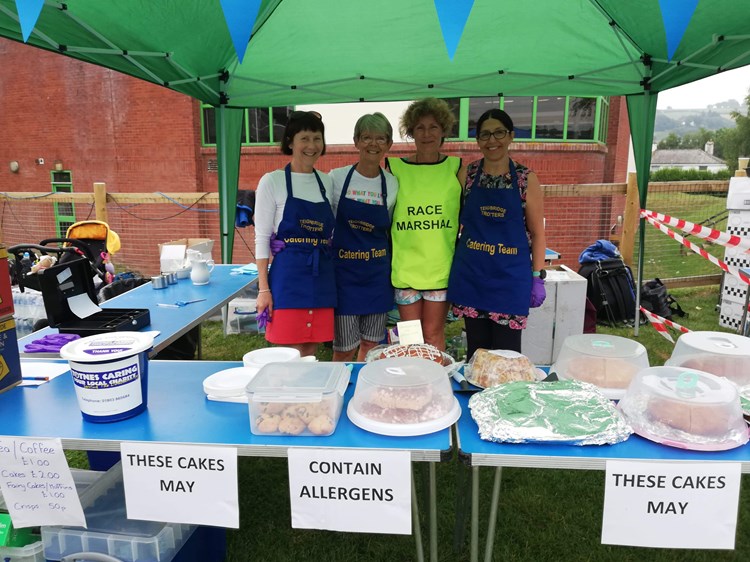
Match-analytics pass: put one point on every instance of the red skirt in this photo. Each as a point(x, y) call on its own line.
point(300, 325)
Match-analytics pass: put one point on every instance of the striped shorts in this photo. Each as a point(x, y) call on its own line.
point(348, 330)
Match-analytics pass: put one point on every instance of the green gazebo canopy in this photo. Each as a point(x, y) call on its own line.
point(329, 51)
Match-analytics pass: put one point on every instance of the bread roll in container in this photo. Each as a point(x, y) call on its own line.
point(608, 362)
point(685, 408)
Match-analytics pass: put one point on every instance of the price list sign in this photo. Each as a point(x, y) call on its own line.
point(37, 484)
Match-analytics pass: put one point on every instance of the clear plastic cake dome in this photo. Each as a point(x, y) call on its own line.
point(685, 408)
point(608, 362)
point(403, 396)
point(718, 353)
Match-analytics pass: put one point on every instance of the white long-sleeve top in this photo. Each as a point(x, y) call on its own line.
point(270, 199)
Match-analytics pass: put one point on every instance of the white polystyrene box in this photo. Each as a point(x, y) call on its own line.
point(738, 196)
point(560, 316)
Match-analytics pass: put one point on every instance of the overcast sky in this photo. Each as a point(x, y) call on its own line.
point(733, 84)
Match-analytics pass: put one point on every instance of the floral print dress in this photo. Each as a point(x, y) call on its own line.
point(513, 321)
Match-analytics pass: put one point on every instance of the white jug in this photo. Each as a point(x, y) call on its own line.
point(201, 269)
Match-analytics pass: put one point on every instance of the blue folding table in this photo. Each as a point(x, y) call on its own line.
point(170, 322)
point(476, 453)
point(178, 412)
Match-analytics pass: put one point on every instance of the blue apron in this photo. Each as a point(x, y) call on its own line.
point(361, 254)
point(302, 274)
point(491, 269)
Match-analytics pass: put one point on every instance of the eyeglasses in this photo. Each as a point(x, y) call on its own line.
point(301, 114)
point(367, 139)
point(500, 134)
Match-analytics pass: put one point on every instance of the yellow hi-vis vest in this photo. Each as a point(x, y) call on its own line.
point(425, 223)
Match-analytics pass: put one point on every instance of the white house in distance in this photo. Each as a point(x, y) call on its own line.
point(687, 159)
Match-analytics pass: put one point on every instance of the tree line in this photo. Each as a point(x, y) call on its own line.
point(729, 143)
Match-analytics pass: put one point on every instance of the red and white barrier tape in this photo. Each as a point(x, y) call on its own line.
point(732, 270)
point(716, 236)
point(660, 324)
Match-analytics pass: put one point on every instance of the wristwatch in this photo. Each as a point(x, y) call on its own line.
point(541, 274)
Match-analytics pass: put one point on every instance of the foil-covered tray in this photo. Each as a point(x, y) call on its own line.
point(566, 411)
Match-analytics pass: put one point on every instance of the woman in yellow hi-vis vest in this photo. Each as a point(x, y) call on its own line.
point(425, 220)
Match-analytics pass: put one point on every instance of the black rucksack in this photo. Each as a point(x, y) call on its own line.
point(656, 299)
point(611, 290)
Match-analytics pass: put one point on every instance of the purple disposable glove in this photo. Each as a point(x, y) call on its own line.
point(276, 245)
point(538, 294)
point(51, 343)
point(262, 319)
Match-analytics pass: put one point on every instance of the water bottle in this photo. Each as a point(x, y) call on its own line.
point(26, 263)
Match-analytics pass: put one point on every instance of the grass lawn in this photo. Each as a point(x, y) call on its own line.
point(544, 515)
point(664, 257)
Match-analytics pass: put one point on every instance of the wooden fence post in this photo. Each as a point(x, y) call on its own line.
point(100, 202)
point(630, 220)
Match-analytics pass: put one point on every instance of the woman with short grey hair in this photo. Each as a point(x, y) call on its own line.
point(363, 199)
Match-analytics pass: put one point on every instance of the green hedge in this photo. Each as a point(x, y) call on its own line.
point(678, 174)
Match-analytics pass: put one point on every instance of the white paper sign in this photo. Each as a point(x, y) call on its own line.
point(36, 483)
point(671, 505)
point(181, 483)
point(347, 490)
point(409, 332)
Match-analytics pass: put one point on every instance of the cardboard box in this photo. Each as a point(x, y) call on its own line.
point(560, 316)
point(172, 255)
point(6, 295)
point(10, 360)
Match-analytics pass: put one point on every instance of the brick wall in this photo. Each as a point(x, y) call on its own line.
point(139, 137)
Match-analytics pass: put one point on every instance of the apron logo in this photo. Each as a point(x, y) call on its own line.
point(362, 254)
point(364, 226)
point(492, 211)
point(491, 248)
point(311, 225)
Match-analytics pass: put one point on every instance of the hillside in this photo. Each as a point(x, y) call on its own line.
point(682, 121)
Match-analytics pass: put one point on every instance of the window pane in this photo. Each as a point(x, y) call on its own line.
point(65, 209)
point(280, 118)
point(581, 112)
point(455, 105)
point(550, 114)
point(477, 106)
point(62, 228)
point(258, 123)
point(519, 108)
point(61, 177)
point(209, 126)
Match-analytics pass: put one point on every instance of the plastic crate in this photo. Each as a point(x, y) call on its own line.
point(111, 532)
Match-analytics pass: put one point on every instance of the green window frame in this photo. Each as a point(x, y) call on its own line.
point(261, 126)
point(536, 124)
point(65, 213)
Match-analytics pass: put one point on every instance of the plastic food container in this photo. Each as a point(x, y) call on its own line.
point(718, 353)
point(110, 532)
point(260, 357)
point(608, 362)
point(403, 396)
point(297, 398)
point(685, 408)
point(110, 374)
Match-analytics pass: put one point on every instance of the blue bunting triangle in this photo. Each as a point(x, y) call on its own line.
point(28, 14)
point(453, 15)
point(240, 16)
point(676, 15)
